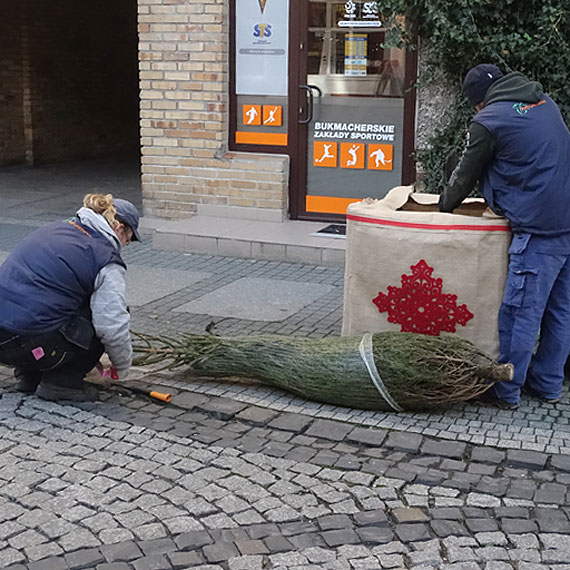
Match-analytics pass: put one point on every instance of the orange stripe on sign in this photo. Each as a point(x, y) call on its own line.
point(277, 139)
point(328, 204)
point(396, 224)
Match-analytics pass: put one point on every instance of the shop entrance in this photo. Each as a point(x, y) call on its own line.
point(352, 108)
point(314, 79)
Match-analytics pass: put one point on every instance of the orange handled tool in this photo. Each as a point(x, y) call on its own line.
point(151, 393)
point(112, 373)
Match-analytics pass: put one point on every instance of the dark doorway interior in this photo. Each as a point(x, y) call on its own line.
point(68, 81)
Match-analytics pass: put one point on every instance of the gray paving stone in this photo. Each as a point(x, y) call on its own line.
point(412, 532)
point(445, 528)
point(250, 547)
point(553, 493)
point(335, 538)
point(326, 457)
point(512, 512)
point(123, 551)
point(481, 525)
point(148, 284)
point(487, 455)
point(451, 449)
point(375, 535)
point(311, 540)
point(113, 566)
point(552, 520)
point(300, 454)
point(219, 552)
point(453, 465)
point(291, 422)
point(333, 522)
point(228, 534)
point(522, 489)
point(526, 459)
point(425, 559)
point(447, 513)
point(49, 564)
point(326, 429)
point(277, 544)
point(256, 415)
point(409, 515)
point(192, 540)
point(518, 526)
point(12, 556)
point(154, 562)
point(190, 401)
point(257, 299)
point(158, 546)
point(366, 436)
point(349, 462)
point(301, 527)
point(561, 462)
point(185, 560)
point(262, 530)
point(222, 408)
point(402, 441)
point(490, 486)
point(371, 518)
point(86, 558)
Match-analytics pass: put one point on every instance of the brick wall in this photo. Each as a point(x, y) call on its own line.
point(184, 75)
point(72, 80)
point(12, 142)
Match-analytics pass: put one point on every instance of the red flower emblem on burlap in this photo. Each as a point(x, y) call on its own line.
point(419, 306)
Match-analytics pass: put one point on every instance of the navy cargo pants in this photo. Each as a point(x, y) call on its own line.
point(536, 299)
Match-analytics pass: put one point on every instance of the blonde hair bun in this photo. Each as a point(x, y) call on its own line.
point(102, 204)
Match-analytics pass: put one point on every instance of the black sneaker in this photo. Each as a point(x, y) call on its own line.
point(530, 391)
point(86, 393)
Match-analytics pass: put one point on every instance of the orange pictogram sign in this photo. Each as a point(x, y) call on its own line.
point(252, 114)
point(272, 115)
point(325, 154)
point(380, 156)
point(352, 155)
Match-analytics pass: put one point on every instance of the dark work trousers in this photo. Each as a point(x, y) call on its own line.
point(49, 358)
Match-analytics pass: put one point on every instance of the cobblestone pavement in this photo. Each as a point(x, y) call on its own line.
point(213, 483)
point(238, 476)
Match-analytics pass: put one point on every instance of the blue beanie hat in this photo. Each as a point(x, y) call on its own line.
point(478, 80)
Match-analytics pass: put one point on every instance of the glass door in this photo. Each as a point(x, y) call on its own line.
point(352, 108)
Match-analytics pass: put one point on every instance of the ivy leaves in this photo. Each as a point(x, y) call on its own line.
point(532, 37)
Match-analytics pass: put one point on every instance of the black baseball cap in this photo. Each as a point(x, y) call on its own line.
point(478, 80)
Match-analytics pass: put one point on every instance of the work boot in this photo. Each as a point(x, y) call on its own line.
point(27, 381)
point(489, 398)
point(530, 391)
point(54, 393)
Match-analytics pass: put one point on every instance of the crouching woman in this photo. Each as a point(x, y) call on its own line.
point(62, 300)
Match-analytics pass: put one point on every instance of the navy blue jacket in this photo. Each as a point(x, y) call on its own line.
point(519, 150)
point(50, 275)
point(528, 180)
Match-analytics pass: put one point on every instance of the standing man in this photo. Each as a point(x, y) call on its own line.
point(519, 149)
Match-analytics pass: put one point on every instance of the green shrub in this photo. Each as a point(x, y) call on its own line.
point(531, 37)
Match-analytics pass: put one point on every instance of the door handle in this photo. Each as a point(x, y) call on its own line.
point(317, 89)
point(309, 116)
